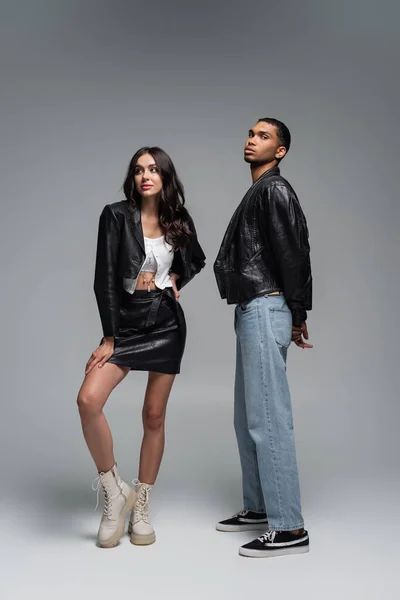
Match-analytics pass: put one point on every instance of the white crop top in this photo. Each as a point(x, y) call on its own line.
point(159, 257)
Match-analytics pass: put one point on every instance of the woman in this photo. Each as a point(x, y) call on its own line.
point(147, 250)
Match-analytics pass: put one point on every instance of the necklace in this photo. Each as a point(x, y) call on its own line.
point(148, 282)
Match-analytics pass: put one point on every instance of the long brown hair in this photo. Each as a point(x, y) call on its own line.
point(174, 217)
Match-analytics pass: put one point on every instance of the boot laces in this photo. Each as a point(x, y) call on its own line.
point(142, 502)
point(96, 485)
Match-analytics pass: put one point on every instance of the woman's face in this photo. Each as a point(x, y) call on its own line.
point(147, 177)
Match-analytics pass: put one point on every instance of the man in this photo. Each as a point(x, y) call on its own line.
point(263, 266)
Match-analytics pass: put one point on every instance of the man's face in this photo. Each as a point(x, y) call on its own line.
point(262, 145)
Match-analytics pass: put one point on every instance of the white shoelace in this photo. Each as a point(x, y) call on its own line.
point(268, 537)
point(241, 513)
point(97, 483)
point(141, 502)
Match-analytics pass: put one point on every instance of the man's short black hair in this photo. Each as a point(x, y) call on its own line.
point(284, 136)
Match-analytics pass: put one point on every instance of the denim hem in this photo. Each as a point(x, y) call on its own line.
point(292, 528)
point(258, 511)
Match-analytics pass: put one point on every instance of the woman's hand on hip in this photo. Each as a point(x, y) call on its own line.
point(173, 277)
point(101, 355)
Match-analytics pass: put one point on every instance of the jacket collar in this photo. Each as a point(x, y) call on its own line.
point(230, 232)
point(269, 173)
point(136, 219)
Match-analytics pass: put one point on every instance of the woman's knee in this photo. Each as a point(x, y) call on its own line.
point(153, 418)
point(88, 405)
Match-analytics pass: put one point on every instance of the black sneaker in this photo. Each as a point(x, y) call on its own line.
point(276, 543)
point(245, 520)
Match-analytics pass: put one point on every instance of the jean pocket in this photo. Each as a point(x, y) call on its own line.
point(281, 324)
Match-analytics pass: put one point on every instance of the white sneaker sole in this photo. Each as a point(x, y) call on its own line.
point(114, 539)
point(143, 540)
point(271, 553)
point(244, 527)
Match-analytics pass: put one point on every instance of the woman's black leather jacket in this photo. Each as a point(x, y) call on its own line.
point(121, 253)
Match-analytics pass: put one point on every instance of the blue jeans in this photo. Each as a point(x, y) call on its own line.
point(263, 412)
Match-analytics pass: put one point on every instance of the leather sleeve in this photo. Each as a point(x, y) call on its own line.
point(106, 286)
point(195, 258)
point(287, 234)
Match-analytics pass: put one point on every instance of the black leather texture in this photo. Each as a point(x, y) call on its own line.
point(121, 253)
point(266, 248)
point(152, 332)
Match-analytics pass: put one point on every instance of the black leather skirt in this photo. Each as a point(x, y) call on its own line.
point(152, 333)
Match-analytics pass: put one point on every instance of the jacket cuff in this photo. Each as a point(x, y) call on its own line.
point(108, 334)
point(299, 316)
point(110, 328)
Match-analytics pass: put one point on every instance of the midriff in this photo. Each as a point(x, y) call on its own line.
point(142, 280)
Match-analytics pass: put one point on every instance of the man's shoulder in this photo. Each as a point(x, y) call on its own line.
point(275, 182)
point(277, 189)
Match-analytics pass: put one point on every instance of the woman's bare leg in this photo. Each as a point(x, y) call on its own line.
point(95, 390)
point(155, 405)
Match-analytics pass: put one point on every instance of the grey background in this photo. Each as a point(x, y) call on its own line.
point(83, 85)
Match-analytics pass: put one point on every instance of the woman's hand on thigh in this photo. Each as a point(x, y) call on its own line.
point(101, 355)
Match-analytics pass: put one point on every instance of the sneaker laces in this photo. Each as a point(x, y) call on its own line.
point(241, 513)
point(268, 537)
point(97, 483)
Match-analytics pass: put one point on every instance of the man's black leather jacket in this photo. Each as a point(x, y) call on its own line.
point(265, 247)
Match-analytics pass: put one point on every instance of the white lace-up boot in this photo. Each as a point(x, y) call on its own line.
point(119, 499)
point(140, 528)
